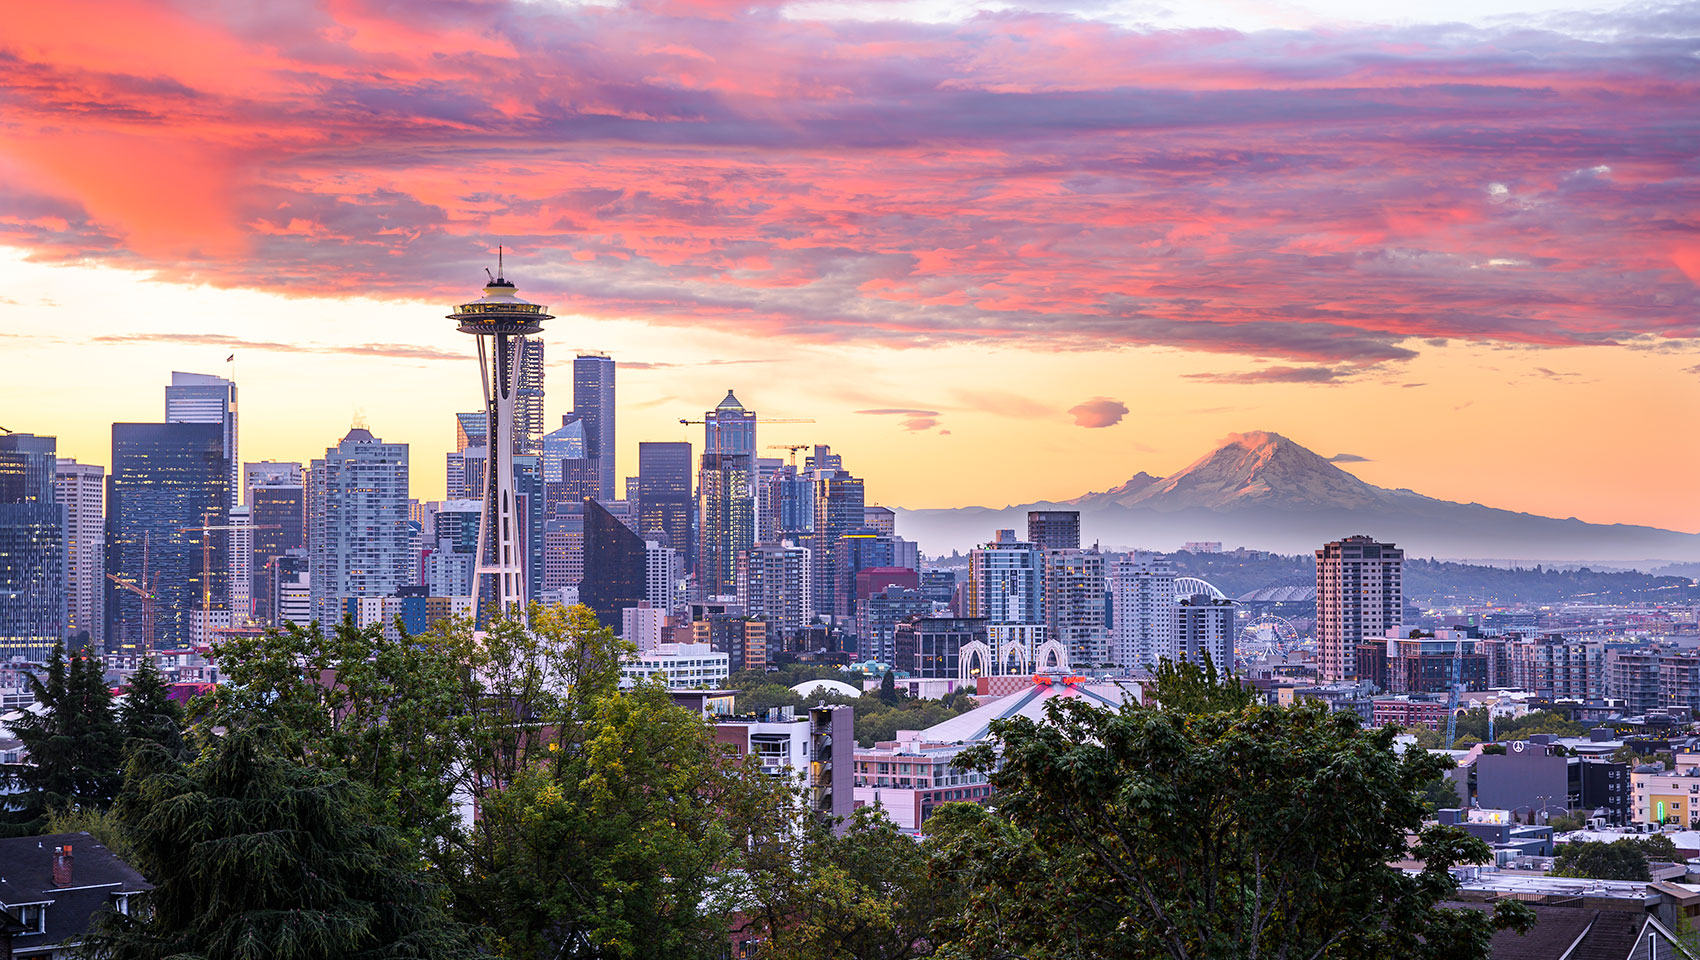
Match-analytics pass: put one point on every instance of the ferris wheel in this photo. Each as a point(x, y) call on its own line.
point(1268, 633)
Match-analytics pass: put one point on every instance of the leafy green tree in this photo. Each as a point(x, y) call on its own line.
point(1624, 860)
point(1204, 832)
point(1441, 794)
point(1659, 847)
point(380, 709)
point(74, 744)
point(253, 853)
point(149, 714)
point(866, 893)
point(1193, 688)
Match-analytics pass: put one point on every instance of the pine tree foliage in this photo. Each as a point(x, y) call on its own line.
point(148, 713)
point(74, 744)
point(254, 854)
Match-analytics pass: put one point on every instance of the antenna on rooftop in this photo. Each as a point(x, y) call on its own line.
point(499, 271)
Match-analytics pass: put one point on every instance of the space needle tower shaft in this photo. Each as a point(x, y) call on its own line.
point(501, 321)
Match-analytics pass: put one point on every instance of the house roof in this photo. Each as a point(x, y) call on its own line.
point(1573, 933)
point(97, 875)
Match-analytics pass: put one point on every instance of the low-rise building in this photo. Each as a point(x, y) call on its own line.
point(56, 885)
point(679, 665)
point(1668, 796)
point(909, 777)
point(816, 746)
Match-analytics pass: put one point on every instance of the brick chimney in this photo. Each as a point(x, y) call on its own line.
point(62, 866)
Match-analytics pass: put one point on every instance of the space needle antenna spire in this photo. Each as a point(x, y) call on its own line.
point(501, 321)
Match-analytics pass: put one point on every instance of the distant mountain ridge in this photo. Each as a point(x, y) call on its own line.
point(1262, 490)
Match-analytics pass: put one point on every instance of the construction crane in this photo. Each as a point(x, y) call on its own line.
point(1456, 686)
point(758, 420)
point(145, 590)
point(793, 447)
point(204, 529)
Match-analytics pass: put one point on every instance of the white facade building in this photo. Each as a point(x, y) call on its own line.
point(663, 576)
point(682, 664)
point(1143, 598)
point(81, 488)
point(360, 535)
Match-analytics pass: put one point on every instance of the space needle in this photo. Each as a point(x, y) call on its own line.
point(501, 321)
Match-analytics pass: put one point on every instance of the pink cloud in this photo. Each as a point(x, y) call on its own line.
point(1098, 412)
point(1038, 179)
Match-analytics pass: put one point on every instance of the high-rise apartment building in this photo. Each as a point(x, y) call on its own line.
point(787, 504)
point(1204, 627)
point(1142, 590)
point(239, 555)
point(167, 481)
point(203, 398)
point(881, 520)
point(726, 495)
point(1359, 593)
point(593, 403)
point(1004, 581)
point(663, 495)
point(359, 533)
point(80, 489)
point(839, 506)
point(774, 583)
point(1072, 598)
point(664, 572)
point(33, 608)
point(1054, 529)
point(528, 400)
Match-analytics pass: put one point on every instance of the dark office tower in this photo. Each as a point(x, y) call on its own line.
point(1359, 595)
point(726, 495)
point(1054, 529)
point(578, 482)
point(614, 568)
point(203, 398)
point(664, 494)
point(788, 506)
point(33, 605)
point(278, 511)
point(533, 514)
point(528, 400)
point(471, 430)
point(464, 479)
point(838, 511)
point(167, 480)
point(593, 402)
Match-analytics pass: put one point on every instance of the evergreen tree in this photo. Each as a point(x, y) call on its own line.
point(149, 714)
point(888, 688)
point(73, 742)
point(255, 855)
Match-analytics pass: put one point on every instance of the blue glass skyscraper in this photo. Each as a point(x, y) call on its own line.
point(32, 549)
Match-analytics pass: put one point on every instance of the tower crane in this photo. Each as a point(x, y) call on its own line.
point(145, 590)
point(1456, 686)
point(793, 447)
point(205, 528)
point(687, 422)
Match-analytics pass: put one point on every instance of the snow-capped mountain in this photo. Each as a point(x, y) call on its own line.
point(1262, 490)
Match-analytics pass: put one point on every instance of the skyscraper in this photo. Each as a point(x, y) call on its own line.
point(774, 584)
point(471, 430)
point(33, 607)
point(528, 401)
point(1204, 627)
point(664, 494)
point(203, 398)
point(239, 555)
point(267, 473)
point(358, 526)
point(503, 322)
point(566, 442)
point(1004, 578)
point(277, 506)
point(80, 488)
point(167, 480)
point(615, 566)
point(593, 402)
point(839, 507)
point(726, 495)
point(1359, 593)
point(1143, 597)
point(1054, 529)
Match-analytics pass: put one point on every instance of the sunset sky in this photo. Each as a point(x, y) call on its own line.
point(999, 251)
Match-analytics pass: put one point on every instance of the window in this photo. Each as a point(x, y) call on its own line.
point(33, 916)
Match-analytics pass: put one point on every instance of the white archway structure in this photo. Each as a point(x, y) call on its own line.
point(1016, 651)
point(1051, 656)
point(1193, 586)
point(974, 652)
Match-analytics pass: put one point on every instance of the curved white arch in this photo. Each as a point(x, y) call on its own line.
point(1023, 659)
point(972, 651)
point(1051, 656)
point(1193, 586)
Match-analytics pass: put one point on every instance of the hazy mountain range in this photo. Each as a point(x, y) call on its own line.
point(1263, 491)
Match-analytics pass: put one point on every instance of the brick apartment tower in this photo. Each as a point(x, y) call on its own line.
point(1359, 593)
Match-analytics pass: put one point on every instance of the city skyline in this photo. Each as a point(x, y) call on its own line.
point(1104, 237)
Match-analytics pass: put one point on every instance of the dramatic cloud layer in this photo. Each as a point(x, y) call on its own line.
point(1333, 200)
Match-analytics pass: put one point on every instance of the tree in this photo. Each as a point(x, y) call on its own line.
point(253, 853)
point(1193, 688)
point(1623, 860)
point(1441, 794)
point(865, 893)
point(149, 714)
point(74, 745)
point(1221, 833)
point(888, 689)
